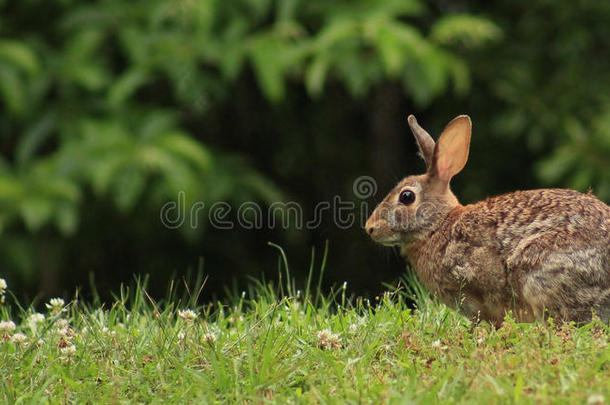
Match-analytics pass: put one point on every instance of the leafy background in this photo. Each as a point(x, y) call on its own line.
point(109, 109)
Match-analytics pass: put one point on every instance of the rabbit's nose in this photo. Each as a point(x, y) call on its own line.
point(369, 226)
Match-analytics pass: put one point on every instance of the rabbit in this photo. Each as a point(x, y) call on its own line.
point(535, 253)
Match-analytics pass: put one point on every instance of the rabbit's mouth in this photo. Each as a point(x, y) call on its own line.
point(391, 241)
point(380, 230)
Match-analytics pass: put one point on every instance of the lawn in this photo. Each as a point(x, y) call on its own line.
point(275, 344)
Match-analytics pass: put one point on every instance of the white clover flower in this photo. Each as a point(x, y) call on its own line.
point(187, 314)
point(55, 305)
point(209, 337)
point(7, 326)
point(328, 340)
point(36, 318)
point(68, 350)
point(181, 336)
point(19, 338)
point(64, 334)
point(55, 302)
point(3, 286)
point(596, 399)
point(62, 324)
point(439, 345)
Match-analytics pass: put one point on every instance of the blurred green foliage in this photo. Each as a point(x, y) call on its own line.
point(110, 108)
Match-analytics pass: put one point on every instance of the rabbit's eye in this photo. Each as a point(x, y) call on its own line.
point(406, 197)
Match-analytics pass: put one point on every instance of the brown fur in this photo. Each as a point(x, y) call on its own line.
point(535, 252)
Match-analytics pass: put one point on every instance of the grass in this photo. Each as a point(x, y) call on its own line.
point(278, 345)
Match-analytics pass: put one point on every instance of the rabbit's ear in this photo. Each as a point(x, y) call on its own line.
point(451, 151)
point(424, 141)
